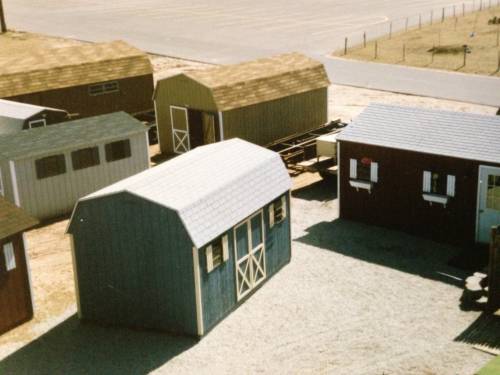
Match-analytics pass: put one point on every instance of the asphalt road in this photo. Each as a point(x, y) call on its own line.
point(218, 31)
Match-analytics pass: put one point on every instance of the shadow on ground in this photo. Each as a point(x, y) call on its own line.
point(387, 248)
point(73, 347)
point(485, 331)
point(322, 190)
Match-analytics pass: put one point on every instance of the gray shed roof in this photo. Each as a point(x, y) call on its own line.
point(455, 134)
point(21, 111)
point(69, 135)
point(212, 187)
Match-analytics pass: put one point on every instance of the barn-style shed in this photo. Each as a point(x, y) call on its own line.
point(181, 245)
point(428, 172)
point(16, 299)
point(259, 101)
point(15, 116)
point(85, 80)
point(46, 170)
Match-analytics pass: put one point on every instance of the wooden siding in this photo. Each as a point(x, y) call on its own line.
point(218, 288)
point(178, 91)
point(396, 200)
point(134, 96)
point(54, 196)
point(266, 122)
point(15, 294)
point(134, 265)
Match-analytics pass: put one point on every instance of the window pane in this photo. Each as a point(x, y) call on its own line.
point(118, 150)
point(217, 252)
point(256, 224)
point(50, 166)
point(84, 158)
point(242, 240)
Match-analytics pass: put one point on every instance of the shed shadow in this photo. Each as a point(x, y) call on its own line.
point(322, 190)
point(484, 331)
point(74, 347)
point(387, 248)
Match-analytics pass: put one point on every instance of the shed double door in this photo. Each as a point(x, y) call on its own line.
point(489, 201)
point(250, 254)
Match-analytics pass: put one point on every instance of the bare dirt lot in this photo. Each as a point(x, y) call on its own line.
point(414, 48)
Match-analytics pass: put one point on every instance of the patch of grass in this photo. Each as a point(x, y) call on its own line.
point(491, 368)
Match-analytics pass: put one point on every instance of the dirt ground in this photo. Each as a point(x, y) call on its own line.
point(472, 30)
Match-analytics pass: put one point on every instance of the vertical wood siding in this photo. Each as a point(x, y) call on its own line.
point(396, 200)
point(55, 196)
point(134, 265)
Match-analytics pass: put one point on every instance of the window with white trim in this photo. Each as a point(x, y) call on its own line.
point(438, 187)
point(10, 258)
point(217, 252)
point(40, 123)
point(277, 211)
point(363, 173)
point(104, 88)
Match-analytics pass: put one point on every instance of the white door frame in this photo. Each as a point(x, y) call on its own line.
point(181, 135)
point(255, 255)
point(481, 186)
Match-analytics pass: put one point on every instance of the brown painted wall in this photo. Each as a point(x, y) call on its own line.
point(51, 117)
point(135, 95)
point(15, 295)
point(396, 200)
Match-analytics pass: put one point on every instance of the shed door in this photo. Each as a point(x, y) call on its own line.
point(180, 129)
point(489, 201)
point(250, 254)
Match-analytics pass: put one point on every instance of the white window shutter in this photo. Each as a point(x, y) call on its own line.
point(374, 172)
point(353, 170)
point(271, 215)
point(10, 259)
point(210, 260)
point(426, 187)
point(450, 186)
point(283, 206)
point(225, 248)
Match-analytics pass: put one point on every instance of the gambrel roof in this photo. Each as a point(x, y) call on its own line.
point(13, 220)
point(455, 134)
point(49, 69)
point(212, 187)
point(262, 80)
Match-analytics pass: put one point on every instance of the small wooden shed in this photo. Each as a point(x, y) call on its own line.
point(179, 246)
point(428, 172)
point(85, 80)
point(16, 298)
point(46, 170)
point(15, 116)
point(259, 101)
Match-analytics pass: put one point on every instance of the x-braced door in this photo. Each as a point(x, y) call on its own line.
point(180, 129)
point(250, 254)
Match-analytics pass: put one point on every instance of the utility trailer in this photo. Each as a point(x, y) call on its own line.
point(311, 151)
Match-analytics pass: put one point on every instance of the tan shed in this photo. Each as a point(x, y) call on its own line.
point(259, 101)
point(85, 80)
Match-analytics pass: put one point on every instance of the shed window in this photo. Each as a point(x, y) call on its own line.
point(104, 88)
point(85, 157)
point(118, 150)
point(37, 123)
point(364, 170)
point(217, 252)
point(50, 166)
point(493, 193)
point(10, 259)
point(438, 183)
point(277, 211)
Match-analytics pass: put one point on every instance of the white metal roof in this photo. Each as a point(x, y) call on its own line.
point(212, 187)
point(21, 111)
point(455, 134)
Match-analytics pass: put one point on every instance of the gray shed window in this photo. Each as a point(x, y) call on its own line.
point(118, 150)
point(50, 166)
point(85, 158)
point(104, 88)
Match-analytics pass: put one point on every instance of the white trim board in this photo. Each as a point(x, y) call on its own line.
point(197, 290)
point(13, 178)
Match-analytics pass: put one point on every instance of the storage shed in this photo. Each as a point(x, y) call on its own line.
point(259, 101)
point(46, 170)
point(15, 116)
point(428, 172)
point(85, 80)
point(16, 299)
point(181, 245)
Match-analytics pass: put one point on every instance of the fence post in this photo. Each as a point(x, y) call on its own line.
point(480, 5)
point(463, 9)
point(442, 16)
point(432, 16)
point(390, 30)
point(345, 46)
point(454, 11)
point(419, 21)
point(364, 39)
point(376, 51)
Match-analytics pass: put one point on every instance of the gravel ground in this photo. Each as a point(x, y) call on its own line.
point(354, 300)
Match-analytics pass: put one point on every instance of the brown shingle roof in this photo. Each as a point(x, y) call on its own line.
point(48, 69)
point(13, 219)
point(262, 80)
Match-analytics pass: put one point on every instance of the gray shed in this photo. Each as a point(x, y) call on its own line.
point(181, 245)
point(15, 116)
point(46, 170)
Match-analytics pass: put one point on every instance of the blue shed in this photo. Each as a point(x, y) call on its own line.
point(179, 246)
